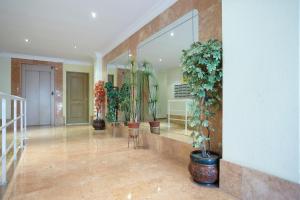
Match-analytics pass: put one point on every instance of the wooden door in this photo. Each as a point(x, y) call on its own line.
point(77, 97)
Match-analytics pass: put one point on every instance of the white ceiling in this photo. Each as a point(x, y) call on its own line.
point(55, 26)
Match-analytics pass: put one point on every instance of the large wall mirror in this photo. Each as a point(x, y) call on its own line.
point(117, 72)
point(117, 68)
point(163, 51)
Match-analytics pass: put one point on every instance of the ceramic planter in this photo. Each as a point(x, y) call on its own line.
point(155, 127)
point(204, 170)
point(99, 124)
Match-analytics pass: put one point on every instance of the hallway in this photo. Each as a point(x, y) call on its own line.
point(76, 163)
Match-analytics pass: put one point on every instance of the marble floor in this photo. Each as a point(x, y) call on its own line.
point(74, 162)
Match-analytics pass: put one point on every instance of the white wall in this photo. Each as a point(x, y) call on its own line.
point(260, 113)
point(167, 78)
point(5, 81)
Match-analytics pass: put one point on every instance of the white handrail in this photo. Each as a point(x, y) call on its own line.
point(22, 117)
point(186, 102)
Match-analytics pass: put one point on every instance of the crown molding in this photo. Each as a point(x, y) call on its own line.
point(156, 10)
point(44, 58)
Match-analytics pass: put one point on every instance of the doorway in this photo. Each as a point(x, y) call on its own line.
point(38, 89)
point(77, 98)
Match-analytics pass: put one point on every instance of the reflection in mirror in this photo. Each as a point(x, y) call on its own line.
point(117, 74)
point(116, 69)
point(163, 50)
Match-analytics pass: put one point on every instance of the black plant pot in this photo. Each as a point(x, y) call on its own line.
point(99, 124)
point(204, 170)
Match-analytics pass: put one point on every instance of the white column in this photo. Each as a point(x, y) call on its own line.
point(97, 67)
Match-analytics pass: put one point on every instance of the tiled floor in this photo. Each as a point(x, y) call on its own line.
point(76, 163)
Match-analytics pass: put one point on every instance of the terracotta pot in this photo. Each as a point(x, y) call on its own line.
point(155, 127)
point(204, 170)
point(133, 128)
point(99, 124)
point(133, 124)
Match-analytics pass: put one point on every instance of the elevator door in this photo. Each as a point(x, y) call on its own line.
point(38, 81)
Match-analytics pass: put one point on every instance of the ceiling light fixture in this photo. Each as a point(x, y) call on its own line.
point(26, 40)
point(172, 34)
point(94, 15)
point(75, 47)
point(130, 55)
point(160, 60)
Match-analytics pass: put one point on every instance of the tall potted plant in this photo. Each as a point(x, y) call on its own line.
point(99, 123)
point(124, 97)
point(202, 70)
point(134, 123)
point(153, 97)
point(112, 105)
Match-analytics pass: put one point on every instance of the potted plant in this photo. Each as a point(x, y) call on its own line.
point(99, 123)
point(202, 70)
point(134, 123)
point(112, 105)
point(124, 98)
point(153, 97)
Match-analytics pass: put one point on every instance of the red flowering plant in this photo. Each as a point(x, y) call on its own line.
point(99, 98)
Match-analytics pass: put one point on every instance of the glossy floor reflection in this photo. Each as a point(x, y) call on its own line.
point(76, 163)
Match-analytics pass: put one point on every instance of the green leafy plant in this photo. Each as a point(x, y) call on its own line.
point(124, 98)
point(112, 102)
point(202, 70)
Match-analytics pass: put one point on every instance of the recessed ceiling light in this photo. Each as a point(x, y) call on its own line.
point(75, 47)
point(94, 15)
point(160, 60)
point(172, 34)
point(26, 40)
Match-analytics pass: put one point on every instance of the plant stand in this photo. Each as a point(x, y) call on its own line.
point(133, 133)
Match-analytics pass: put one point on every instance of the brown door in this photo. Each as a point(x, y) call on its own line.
point(77, 97)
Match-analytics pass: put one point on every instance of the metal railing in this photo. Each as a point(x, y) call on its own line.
point(21, 115)
point(186, 104)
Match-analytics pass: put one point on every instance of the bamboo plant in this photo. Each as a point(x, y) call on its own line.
point(135, 95)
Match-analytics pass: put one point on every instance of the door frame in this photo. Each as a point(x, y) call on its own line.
point(88, 98)
point(48, 68)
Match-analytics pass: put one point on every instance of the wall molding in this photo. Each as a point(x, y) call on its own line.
point(245, 183)
point(44, 58)
point(156, 10)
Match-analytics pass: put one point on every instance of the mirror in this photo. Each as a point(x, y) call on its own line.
point(116, 69)
point(117, 72)
point(163, 51)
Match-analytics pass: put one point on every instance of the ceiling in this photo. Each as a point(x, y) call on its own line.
point(55, 27)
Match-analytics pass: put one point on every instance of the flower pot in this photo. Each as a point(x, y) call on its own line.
point(99, 124)
point(155, 127)
point(204, 170)
point(133, 128)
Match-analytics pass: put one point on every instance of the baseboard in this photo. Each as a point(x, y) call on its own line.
point(246, 183)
